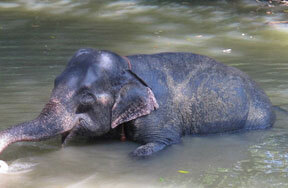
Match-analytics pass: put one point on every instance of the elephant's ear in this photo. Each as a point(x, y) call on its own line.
point(133, 100)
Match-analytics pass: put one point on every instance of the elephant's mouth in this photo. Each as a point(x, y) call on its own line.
point(84, 124)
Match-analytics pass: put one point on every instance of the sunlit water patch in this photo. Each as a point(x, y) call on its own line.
point(267, 165)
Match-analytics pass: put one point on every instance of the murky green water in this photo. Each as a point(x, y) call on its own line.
point(38, 37)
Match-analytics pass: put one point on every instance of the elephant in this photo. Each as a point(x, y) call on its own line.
point(151, 99)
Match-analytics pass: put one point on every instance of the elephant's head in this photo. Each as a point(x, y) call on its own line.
point(97, 90)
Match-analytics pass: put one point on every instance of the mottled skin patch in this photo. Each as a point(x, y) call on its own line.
point(196, 95)
point(161, 98)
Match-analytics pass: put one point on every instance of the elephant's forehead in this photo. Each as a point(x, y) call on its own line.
point(90, 76)
point(105, 62)
point(88, 57)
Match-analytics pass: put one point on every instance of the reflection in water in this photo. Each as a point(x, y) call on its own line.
point(267, 164)
point(38, 37)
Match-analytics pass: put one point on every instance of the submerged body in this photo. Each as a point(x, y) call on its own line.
point(196, 95)
point(158, 98)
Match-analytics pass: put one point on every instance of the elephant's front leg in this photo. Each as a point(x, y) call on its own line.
point(148, 149)
point(154, 133)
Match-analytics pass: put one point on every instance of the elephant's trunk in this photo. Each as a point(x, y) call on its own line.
point(53, 120)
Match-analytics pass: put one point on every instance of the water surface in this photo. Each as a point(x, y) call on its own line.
point(38, 37)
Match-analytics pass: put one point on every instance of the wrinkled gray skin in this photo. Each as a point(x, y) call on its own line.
point(163, 97)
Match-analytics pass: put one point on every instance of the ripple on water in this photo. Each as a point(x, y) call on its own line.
point(8, 5)
point(16, 167)
point(267, 165)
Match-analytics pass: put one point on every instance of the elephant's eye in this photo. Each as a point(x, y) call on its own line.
point(87, 99)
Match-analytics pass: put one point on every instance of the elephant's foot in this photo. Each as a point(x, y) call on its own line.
point(148, 149)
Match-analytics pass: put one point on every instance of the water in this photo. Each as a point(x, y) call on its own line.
point(38, 37)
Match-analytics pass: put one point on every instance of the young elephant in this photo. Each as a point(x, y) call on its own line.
point(155, 98)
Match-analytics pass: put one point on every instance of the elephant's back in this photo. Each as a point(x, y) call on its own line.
point(165, 70)
point(170, 72)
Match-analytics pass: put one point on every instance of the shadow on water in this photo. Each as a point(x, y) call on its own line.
point(38, 37)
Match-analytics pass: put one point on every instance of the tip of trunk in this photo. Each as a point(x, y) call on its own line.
point(53, 120)
point(5, 140)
